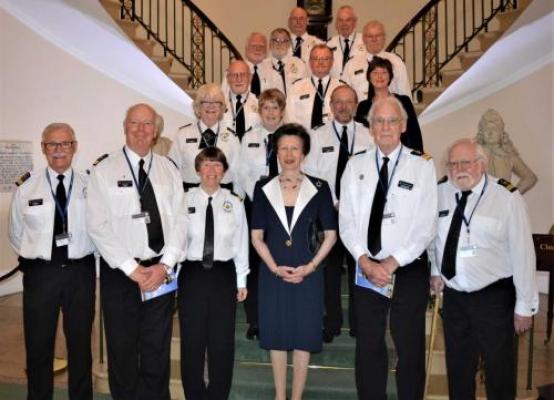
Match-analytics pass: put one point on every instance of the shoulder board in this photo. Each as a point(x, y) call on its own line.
point(507, 184)
point(299, 79)
point(418, 153)
point(333, 48)
point(231, 130)
point(315, 128)
point(22, 178)
point(249, 129)
point(186, 125)
point(172, 161)
point(343, 82)
point(360, 152)
point(236, 195)
point(99, 159)
point(443, 179)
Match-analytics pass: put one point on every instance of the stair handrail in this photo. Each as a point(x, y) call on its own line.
point(426, 60)
point(220, 56)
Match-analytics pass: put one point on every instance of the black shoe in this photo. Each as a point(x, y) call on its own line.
point(328, 335)
point(252, 332)
point(352, 333)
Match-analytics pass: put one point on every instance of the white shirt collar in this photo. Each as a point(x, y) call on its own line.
point(392, 156)
point(203, 126)
point(134, 158)
point(206, 195)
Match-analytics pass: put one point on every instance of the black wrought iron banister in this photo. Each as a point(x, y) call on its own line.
point(438, 32)
point(187, 34)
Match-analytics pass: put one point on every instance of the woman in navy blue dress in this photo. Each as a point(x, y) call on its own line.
point(288, 212)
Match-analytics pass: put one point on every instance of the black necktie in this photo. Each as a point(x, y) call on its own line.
point(239, 119)
point(298, 47)
point(271, 157)
point(317, 111)
point(343, 159)
point(281, 69)
point(208, 254)
point(377, 208)
point(148, 204)
point(59, 253)
point(448, 266)
point(346, 52)
point(255, 85)
point(208, 139)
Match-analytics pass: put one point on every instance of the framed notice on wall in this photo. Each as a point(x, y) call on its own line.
point(16, 158)
point(316, 7)
point(319, 14)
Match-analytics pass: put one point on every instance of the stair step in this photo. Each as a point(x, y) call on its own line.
point(448, 77)
point(181, 79)
point(164, 63)
point(429, 94)
point(507, 18)
point(128, 26)
point(112, 7)
point(146, 45)
point(487, 39)
point(468, 58)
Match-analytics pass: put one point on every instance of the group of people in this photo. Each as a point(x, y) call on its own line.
point(299, 164)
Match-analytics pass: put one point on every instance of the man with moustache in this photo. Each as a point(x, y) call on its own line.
point(387, 219)
point(485, 262)
point(308, 101)
point(290, 68)
point(302, 41)
point(331, 146)
point(137, 219)
point(47, 231)
point(242, 105)
point(354, 73)
point(347, 43)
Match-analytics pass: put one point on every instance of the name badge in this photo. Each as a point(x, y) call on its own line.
point(304, 96)
point(389, 218)
point(63, 239)
point(405, 185)
point(143, 216)
point(443, 213)
point(468, 251)
point(253, 145)
point(124, 183)
point(191, 140)
point(359, 71)
point(328, 149)
point(192, 210)
point(35, 202)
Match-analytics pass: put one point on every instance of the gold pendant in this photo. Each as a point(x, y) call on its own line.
point(288, 242)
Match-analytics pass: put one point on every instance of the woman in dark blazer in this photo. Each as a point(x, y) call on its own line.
point(379, 76)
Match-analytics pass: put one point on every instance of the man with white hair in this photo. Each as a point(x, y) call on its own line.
point(484, 260)
point(302, 41)
point(347, 43)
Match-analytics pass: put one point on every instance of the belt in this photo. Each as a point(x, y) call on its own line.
point(65, 263)
point(149, 262)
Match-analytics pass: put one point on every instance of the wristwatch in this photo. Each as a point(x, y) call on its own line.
point(168, 273)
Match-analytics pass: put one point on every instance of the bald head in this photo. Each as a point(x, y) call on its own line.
point(374, 37)
point(238, 77)
point(256, 47)
point(298, 21)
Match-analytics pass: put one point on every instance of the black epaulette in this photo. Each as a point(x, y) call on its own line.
point(22, 178)
point(299, 79)
point(442, 180)
point(231, 130)
point(317, 127)
point(236, 195)
point(99, 159)
point(343, 82)
point(418, 153)
point(185, 126)
point(248, 130)
point(359, 152)
point(333, 48)
point(172, 161)
point(507, 184)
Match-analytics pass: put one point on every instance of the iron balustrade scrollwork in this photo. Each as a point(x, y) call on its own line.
point(187, 34)
point(438, 32)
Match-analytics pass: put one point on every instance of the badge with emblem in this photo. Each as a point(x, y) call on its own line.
point(254, 108)
point(293, 69)
point(361, 177)
point(288, 242)
point(318, 184)
point(225, 136)
point(361, 47)
point(227, 206)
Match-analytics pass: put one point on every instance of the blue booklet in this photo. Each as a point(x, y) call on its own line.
point(163, 289)
point(362, 281)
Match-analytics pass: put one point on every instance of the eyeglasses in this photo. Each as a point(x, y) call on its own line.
point(462, 164)
point(280, 41)
point(211, 103)
point(378, 121)
point(54, 145)
point(375, 37)
point(136, 124)
point(320, 59)
point(238, 76)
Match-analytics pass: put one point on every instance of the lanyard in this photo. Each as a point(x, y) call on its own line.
point(341, 144)
point(468, 221)
point(393, 171)
point(62, 212)
point(322, 98)
point(139, 190)
point(233, 107)
point(204, 139)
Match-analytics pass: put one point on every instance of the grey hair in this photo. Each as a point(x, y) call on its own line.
point(54, 126)
point(207, 91)
point(479, 150)
point(389, 100)
point(134, 106)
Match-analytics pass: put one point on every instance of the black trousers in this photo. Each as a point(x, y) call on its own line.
point(47, 288)
point(251, 302)
point(407, 326)
point(207, 308)
point(477, 324)
point(138, 337)
point(332, 277)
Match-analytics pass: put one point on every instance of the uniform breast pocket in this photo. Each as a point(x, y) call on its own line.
point(123, 200)
point(38, 217)
point(226, 226)
point(402, 201)
point(165, 199)
point(489, 226)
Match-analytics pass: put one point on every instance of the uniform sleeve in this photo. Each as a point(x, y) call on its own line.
point(100, 229)
point(412, 136)
point(402, 80)
point(175, 150)
point(244, 173)
point(15, 230)
point(258, 208)
point(327, 214)
point(423, 226)
point(241, 259)
point(522, 257)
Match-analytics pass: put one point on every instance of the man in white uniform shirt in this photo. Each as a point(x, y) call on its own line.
point(289, 67)
point(331, 146)
point(347, 43)
point(136, 217)
point(308, 101)
point(242, 105)
point(354, 73)
point(485, 262)
point(47, 231)
point(302, 42)
point(387, 219)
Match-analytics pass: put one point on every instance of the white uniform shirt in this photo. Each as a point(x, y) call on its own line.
point(250, 107)
point(230, 229)
point(322, 160)
point(411, 204)
point(269, 78)
point(32, 213)
point(295, 69)
point(300, 100)
point(185, 148)
point(355, 74)
point(253, 159)
point(501, 232)
point(336, 44)
point(308, 42)
point(113, 200)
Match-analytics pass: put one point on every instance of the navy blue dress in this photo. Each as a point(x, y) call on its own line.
point(290, 315)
